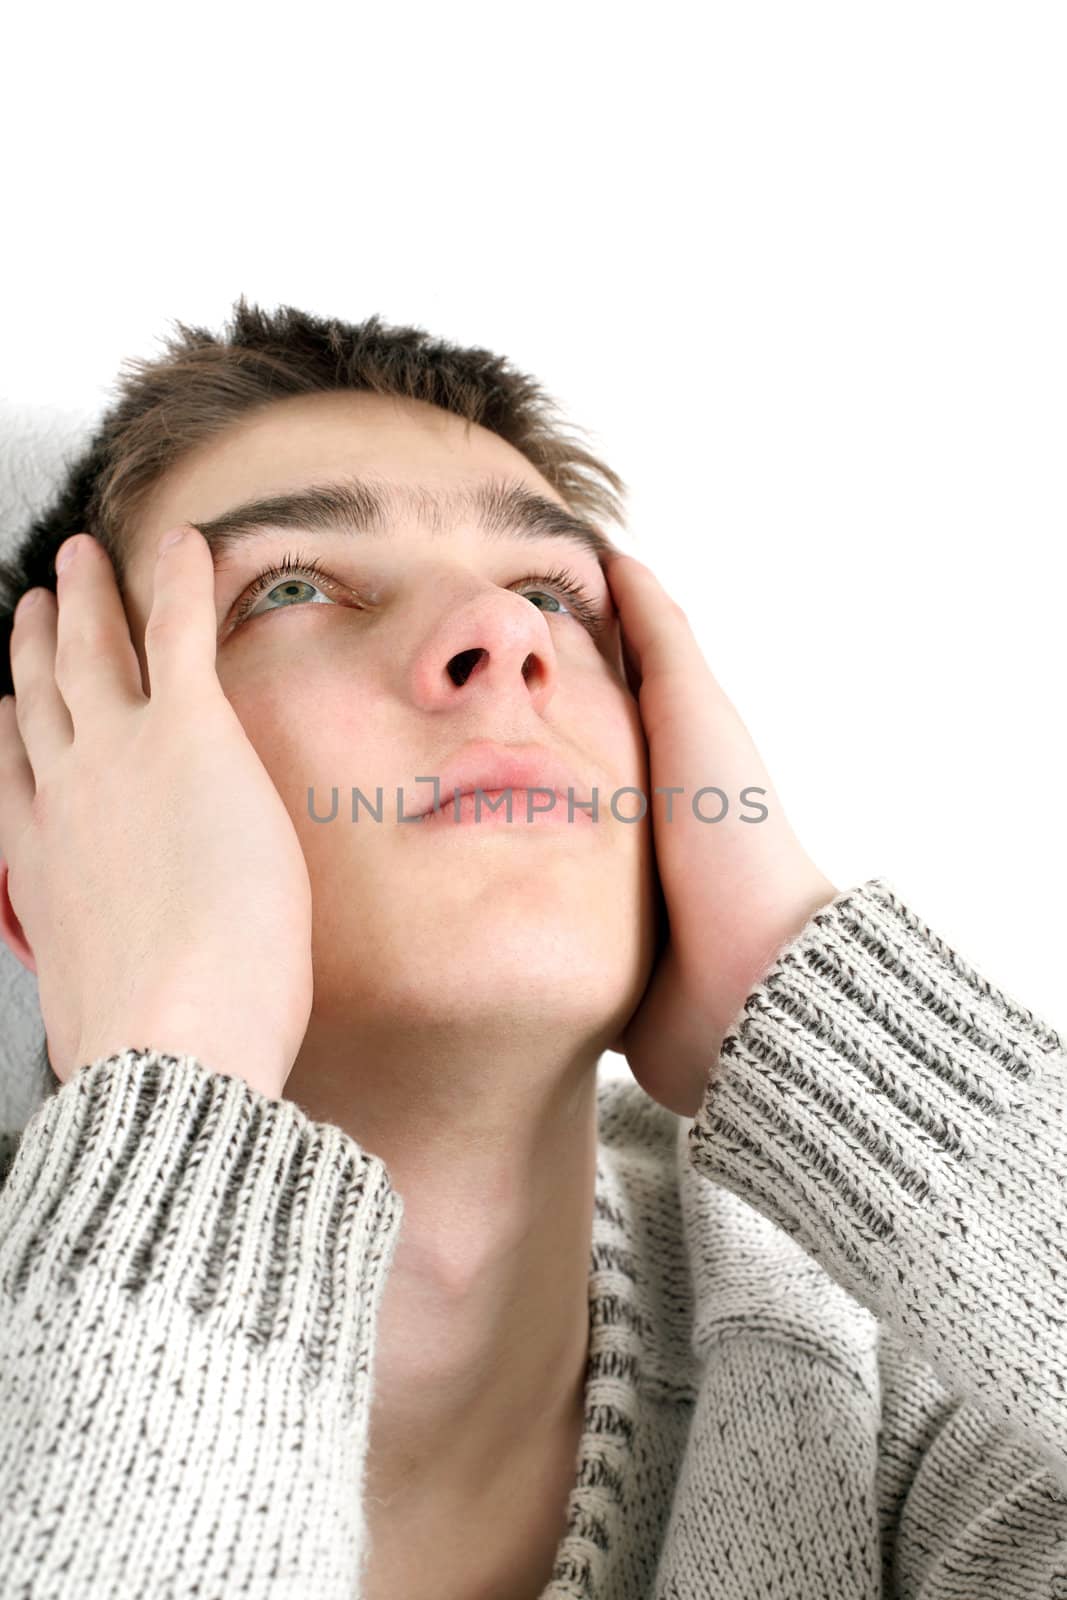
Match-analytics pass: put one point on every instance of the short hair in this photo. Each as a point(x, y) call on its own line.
point(168, 405)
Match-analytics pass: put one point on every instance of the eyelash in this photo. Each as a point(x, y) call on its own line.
point(564, 582)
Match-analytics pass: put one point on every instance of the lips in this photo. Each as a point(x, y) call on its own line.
point(489, 767)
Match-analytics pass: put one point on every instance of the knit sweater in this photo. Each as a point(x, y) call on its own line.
point(828, 1315)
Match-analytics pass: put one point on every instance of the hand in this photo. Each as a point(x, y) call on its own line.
point(735, 891)
point(152, 875)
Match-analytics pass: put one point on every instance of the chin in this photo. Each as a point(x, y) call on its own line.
point(543, 981)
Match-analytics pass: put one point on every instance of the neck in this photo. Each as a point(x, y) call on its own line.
point(482, 1341)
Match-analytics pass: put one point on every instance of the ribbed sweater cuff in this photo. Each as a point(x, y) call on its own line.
point(180, 1183)
point(906, 1122)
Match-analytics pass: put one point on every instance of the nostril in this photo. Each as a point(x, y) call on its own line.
point(462, 665)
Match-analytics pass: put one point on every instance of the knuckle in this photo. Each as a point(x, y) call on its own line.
point(42, 806)
point(27, 698)
point(22, 629)
point(92, 636)
point(161, 624)
point(85, 639)
point(66, 653)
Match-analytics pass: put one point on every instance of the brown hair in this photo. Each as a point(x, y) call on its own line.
point(204, 382)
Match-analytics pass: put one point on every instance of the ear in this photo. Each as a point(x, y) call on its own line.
point(11, 927)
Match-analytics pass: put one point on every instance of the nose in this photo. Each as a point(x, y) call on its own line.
point(491, 645)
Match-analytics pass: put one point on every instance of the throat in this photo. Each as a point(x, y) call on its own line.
point(503, 1539)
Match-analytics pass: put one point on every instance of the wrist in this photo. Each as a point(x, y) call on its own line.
point(216, 1056)
point(755, 948)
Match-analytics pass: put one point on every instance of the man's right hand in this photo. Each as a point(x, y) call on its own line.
point(161, 889)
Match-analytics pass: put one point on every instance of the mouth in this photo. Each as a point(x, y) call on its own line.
point(487, 783)
point(514, 807)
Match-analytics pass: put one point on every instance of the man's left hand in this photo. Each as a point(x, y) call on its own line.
point(736, 890)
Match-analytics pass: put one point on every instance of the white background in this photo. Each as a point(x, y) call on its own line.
point(798, 271)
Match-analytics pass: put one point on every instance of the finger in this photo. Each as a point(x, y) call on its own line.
point(629, 662)
point(681, 697)
point(675, 682)
point(181, 633)
point(17, 787)
point(96, 665)
point(624, 655)
point(42, 719)
point(656, 629)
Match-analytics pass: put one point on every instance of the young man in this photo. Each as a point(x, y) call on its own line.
point(327, 1270)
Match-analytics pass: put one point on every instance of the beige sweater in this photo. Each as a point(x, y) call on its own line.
point(828, 1315)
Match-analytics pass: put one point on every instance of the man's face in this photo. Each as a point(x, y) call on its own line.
point(342, 679)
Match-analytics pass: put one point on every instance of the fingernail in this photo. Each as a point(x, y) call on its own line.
point(67, 554)
point(30, 598)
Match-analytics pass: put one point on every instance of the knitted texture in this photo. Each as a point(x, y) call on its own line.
point(828, 1315)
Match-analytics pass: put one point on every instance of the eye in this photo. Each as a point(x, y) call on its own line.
point(287, 580)
point(288, 577)
point(579, 602)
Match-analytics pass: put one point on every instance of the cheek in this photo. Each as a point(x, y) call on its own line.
point(606, 721)
point(308, 731)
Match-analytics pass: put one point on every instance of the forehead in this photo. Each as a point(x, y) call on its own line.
point(306, 439)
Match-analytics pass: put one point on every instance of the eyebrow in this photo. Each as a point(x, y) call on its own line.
point(500, 509)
